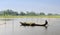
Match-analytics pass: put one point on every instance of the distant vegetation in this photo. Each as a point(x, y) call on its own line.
point(14, 13)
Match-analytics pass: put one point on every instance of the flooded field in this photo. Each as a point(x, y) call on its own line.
point(13, 27)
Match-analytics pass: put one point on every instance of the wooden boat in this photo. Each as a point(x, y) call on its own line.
point(33, 24)
point(27, 24)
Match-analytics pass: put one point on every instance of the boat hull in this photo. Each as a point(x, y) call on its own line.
point(33, 24)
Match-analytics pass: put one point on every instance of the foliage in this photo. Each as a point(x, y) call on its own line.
point(42, 13)
point(50, 14)
point(31, 13)
point(14, 13)
point(22, 13)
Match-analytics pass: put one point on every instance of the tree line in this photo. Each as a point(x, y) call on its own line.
point(14, 13)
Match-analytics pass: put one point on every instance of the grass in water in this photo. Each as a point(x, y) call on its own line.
point(30, 16)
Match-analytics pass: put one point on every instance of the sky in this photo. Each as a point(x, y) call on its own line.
point(46, 6)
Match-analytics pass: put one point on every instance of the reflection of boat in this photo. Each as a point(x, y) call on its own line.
point(33, 24)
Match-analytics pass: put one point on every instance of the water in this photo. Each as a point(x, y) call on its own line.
point(13, 27)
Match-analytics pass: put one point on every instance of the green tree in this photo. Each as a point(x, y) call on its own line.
point(22, 13)
point(10, 12)
point(31, 13)
point(50, 14)
point(41, 13)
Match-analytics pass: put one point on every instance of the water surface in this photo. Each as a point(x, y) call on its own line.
point(12, 26)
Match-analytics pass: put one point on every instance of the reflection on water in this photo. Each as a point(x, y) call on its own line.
point(36, 26)
point(7, 19)
point(13, 27)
